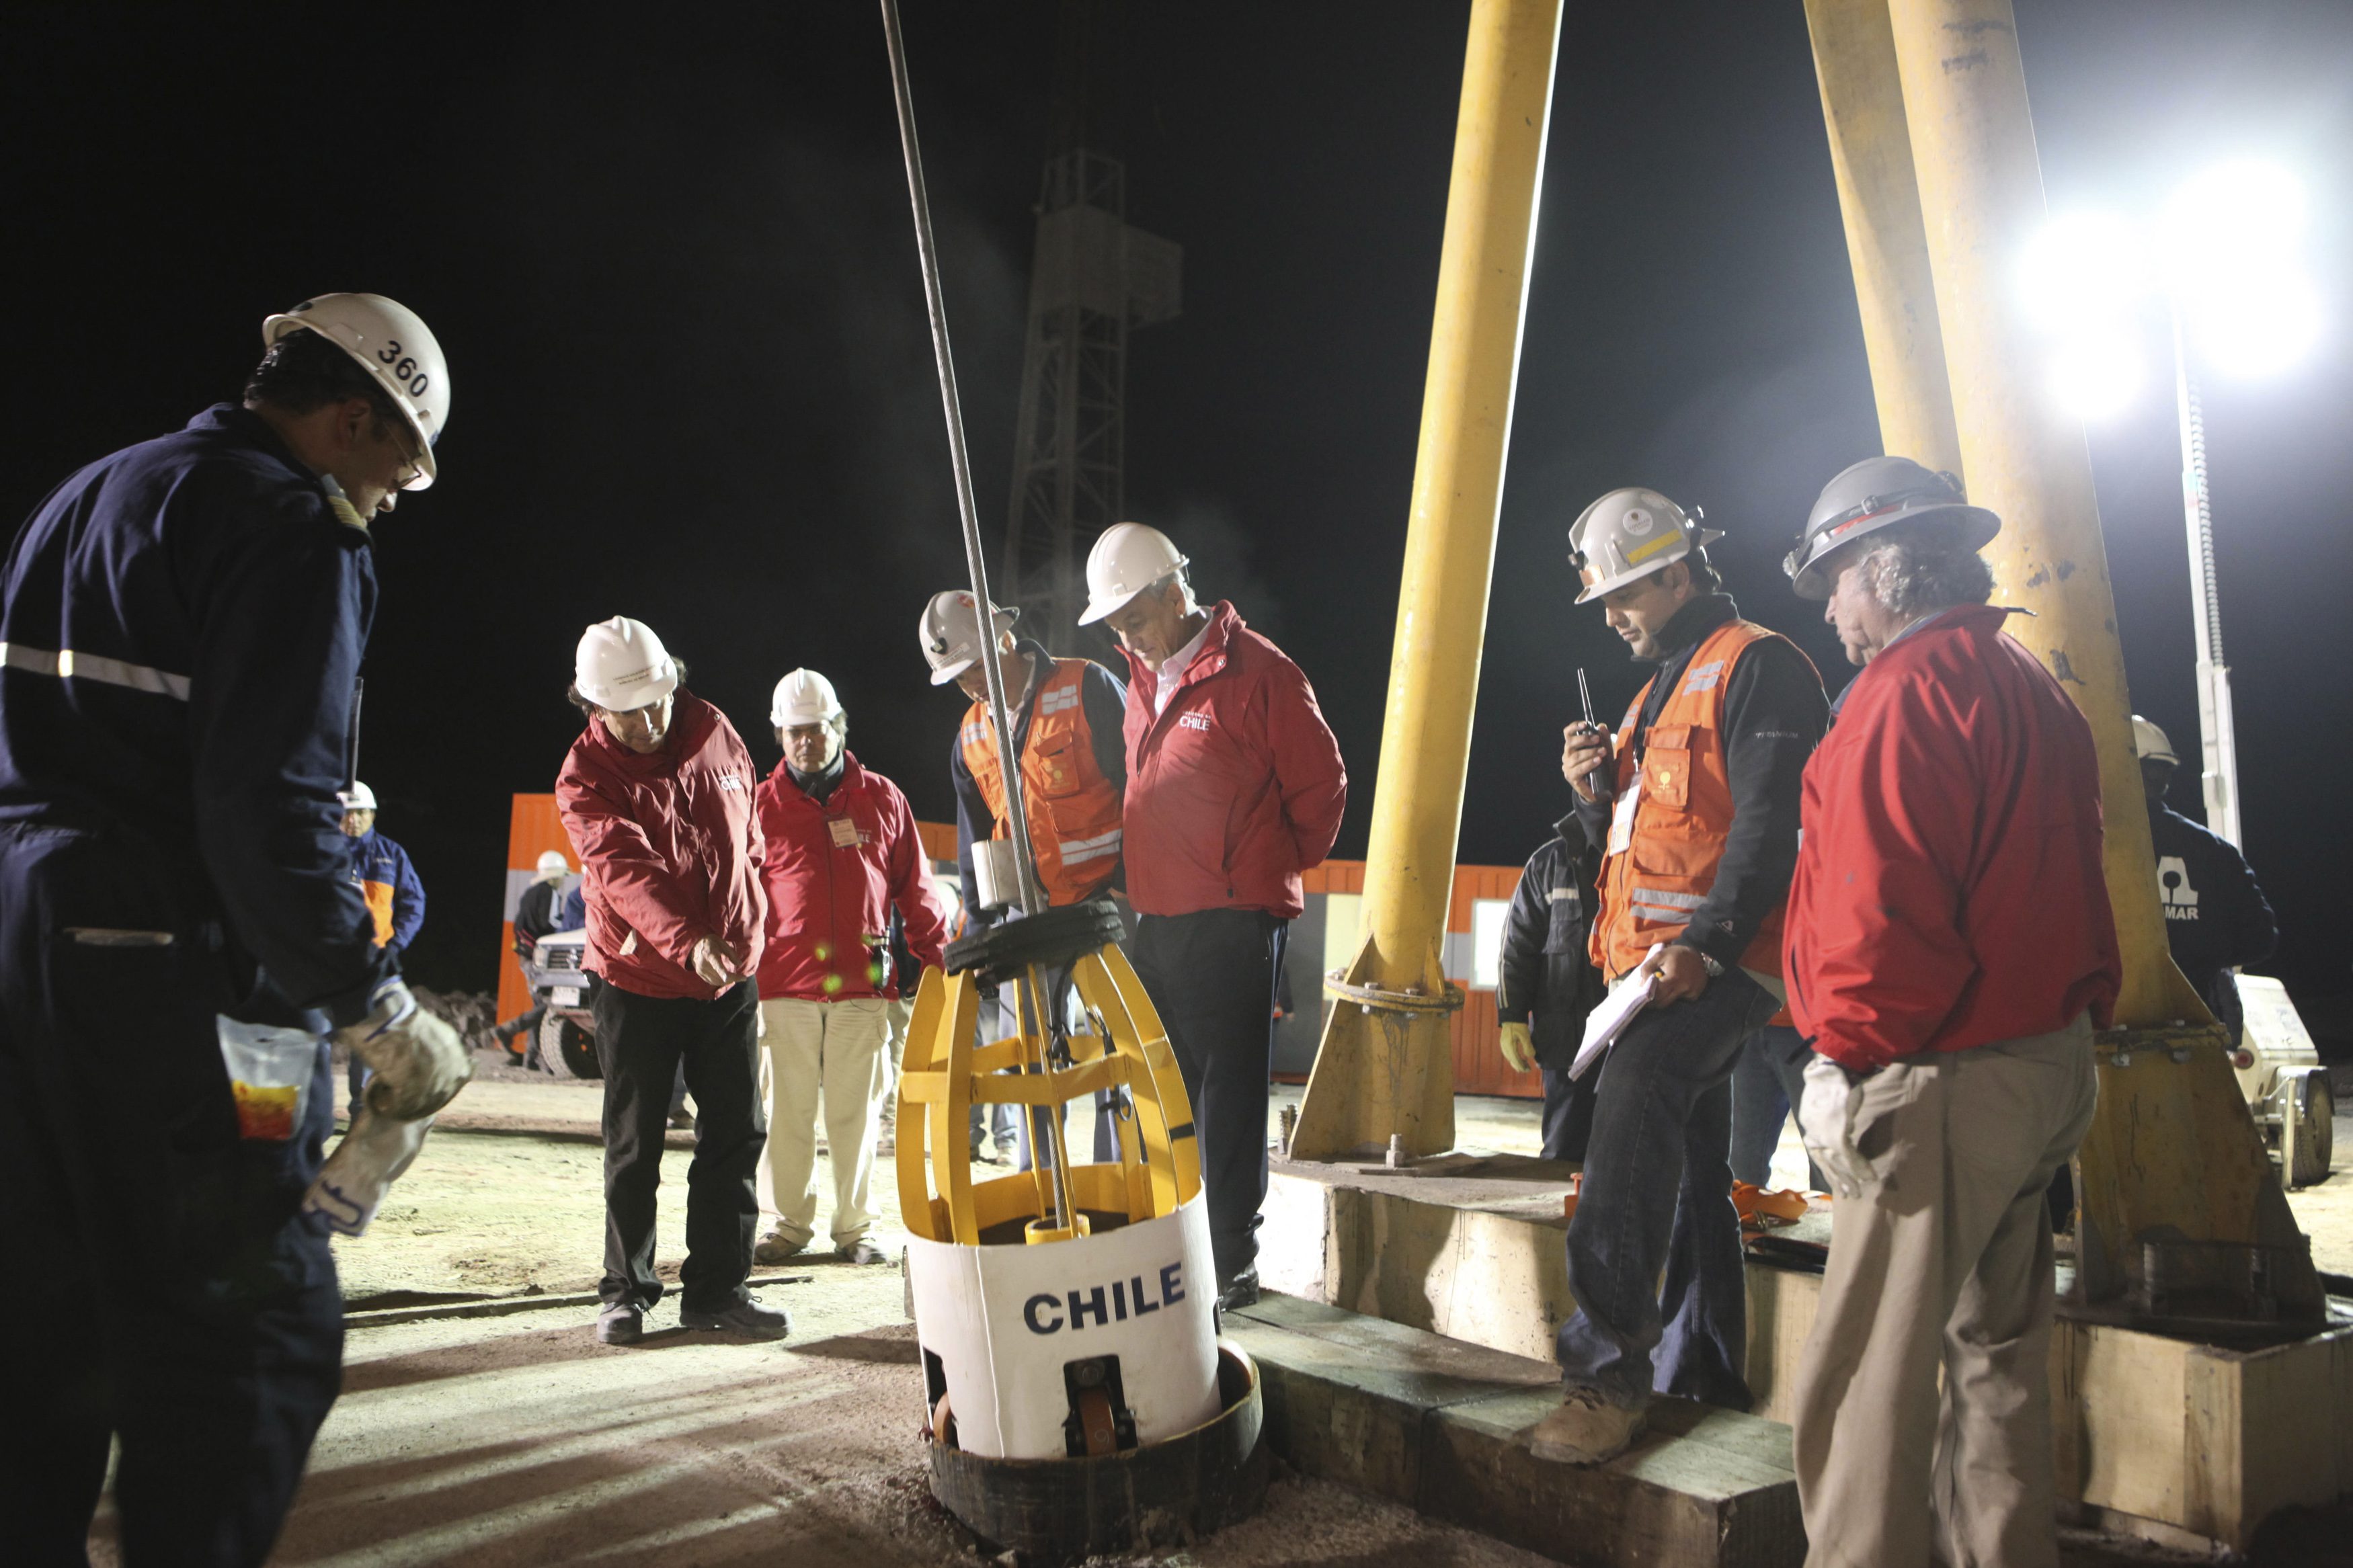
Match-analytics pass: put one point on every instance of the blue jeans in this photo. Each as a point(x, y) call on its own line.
point(1767, 1082)
point(1658, 1196)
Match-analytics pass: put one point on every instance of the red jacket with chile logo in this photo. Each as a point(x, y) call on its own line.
point(1236, 787)
point(834, 869)
point(669, 847)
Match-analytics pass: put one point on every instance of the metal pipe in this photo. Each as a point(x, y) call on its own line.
point(1009, 763)
point(1383, 1073)
point(1870, 157)
point(928, 251)
point(2217, 739)
point(1980, 187)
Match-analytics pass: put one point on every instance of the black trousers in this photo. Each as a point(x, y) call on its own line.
point(1567, 1113)
point(1211, 977)
point(174, 1298)
point(643, 1044)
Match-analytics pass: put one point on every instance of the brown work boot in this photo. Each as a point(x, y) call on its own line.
point(1585, 1430)
point(774, 1247)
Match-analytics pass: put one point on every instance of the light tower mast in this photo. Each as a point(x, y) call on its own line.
point(1091, 279)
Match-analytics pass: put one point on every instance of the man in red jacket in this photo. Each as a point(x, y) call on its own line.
point(842, 852)
point(1234, 787)
point(656, 797)
point(1950, 949)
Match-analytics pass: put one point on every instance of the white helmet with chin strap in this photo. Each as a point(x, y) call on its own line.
point(950, 632)
point(622, 667)
point(1626, 535)
point(393, 346)
point(2150, 745)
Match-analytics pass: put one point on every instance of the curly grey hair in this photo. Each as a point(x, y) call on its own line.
point(1916, 569)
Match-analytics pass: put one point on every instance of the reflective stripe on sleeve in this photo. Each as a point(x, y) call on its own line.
point(1076, 850)
point(67, 664)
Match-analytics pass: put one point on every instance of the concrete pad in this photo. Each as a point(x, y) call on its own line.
point(1443, 1425)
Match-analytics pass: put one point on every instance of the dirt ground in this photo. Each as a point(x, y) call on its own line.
point(496, 1442)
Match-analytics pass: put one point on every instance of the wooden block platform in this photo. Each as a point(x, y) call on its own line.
point(2197, 1439)
point(1443, 1425)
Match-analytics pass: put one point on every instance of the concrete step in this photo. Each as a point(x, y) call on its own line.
point(1441, 1426)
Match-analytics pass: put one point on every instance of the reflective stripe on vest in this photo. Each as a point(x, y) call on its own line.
point(1649, 890)
point(1074, 811)
point(66, 664)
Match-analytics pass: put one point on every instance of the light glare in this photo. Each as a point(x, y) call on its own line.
point(2082, 268)
point(2096, 375)
point(2260, 327)
point(2231, 225)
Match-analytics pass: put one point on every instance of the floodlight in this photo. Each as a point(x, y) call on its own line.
point(2229, 223)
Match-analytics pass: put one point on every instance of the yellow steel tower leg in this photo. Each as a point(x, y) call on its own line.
point(1386, 1067)
point(2174, 1153)
point(1870, 154)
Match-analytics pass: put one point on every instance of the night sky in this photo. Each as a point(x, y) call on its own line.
point(668, 252)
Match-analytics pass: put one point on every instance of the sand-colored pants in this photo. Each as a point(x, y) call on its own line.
point(834, 1050)
point(1944, 1261)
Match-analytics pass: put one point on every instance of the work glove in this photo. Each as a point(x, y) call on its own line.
point(418, 1060)
point(1519, 1046)
point(1826, 1114)
point(351, 1185)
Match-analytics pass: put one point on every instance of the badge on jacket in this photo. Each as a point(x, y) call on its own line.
point(844, 831)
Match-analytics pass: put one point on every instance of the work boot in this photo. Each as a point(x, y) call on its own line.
point(1585, 1430)
point(774, 1247)
point(747, 1318)
point(860, 1250)
point(621, 1324)
point(1240, 1291)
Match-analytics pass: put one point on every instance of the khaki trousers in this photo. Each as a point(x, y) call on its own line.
point(831, 1051)
point(1944, 1262)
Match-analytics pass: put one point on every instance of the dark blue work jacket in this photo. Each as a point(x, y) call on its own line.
point(181, 624)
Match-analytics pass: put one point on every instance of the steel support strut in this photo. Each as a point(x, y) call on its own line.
point(1385, 1067)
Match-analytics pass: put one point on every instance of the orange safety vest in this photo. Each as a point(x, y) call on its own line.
point(1648, 889)
point(1073, 810)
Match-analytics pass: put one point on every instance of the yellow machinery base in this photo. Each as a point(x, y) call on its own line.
point(2152, 1431)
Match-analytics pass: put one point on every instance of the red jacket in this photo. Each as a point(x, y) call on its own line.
point(833, 871)
point(1234, 790)
point(1949, 891)
point(668, 848)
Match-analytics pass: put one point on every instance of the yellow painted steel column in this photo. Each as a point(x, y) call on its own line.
point(1387, 1069)
point(2173, 1156)
point(1871, 155)
point(1981, 190)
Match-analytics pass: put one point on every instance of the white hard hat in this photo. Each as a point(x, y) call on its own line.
point(2150, 745)
point(359, 797)
point(804, 697)
point(950, 631)
point(1628, 534)
point(395, 346)
point(1129, 558)
point(622, 666)
point(551, 862)
point(1863, 498)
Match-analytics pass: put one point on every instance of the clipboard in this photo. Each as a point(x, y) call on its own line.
point(1607, 1022)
